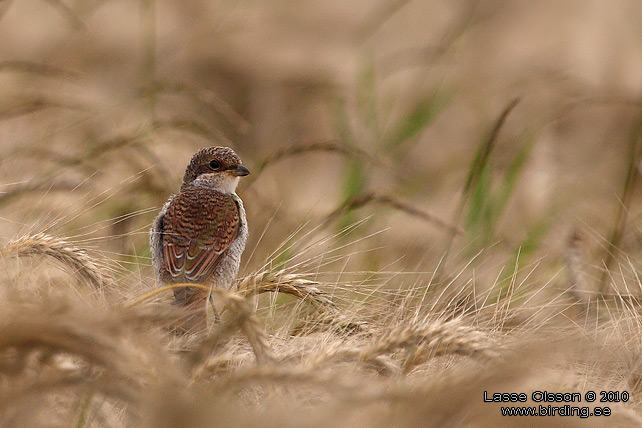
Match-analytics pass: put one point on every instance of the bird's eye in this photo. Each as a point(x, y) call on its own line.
point(215, 164)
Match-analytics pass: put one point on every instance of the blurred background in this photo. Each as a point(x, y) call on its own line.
point(402, 135)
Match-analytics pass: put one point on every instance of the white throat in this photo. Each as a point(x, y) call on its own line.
point(223, 183)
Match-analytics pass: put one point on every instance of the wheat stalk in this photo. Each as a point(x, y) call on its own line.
point(328, 315)
point(37, 68)
point(364, 199)
point(578, 286)
point(57, 329)
point(433, 338)
point(28, 105)
point(422, 341)
point(280, 282)
point(243, 317)
point(274, 374)
point(335, 321)
point(76, 259)
point(54, 348)
point(445, 339)
point(331, 146)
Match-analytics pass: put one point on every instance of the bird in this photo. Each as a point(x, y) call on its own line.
point(200, 233)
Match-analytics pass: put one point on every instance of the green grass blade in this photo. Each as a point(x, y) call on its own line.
point(421, 115)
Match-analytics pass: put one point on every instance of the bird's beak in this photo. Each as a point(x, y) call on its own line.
point(239, 170)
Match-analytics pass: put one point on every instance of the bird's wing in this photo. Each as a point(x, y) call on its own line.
point(199, 226)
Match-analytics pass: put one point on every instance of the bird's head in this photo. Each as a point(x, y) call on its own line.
point(218, 168)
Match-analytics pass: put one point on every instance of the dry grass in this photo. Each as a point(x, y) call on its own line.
point(80, 264)
point(70, 361)
point(416, 169)
point(282, 282)
point(321, 146)
point(390, 201)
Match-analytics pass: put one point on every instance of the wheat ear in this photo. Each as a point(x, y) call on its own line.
point(76, 259)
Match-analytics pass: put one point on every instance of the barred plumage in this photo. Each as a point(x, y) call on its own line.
point(200, 233)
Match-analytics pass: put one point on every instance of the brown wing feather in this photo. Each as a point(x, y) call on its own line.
point(199, 226)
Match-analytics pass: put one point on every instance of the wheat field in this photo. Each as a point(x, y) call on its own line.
point(443, 205)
